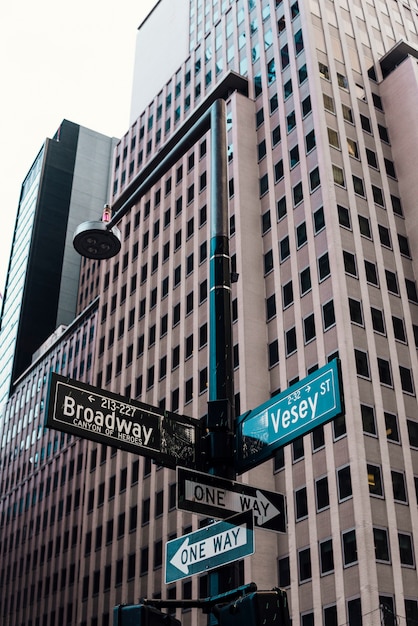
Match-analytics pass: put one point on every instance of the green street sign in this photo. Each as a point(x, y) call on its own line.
point(209, 547)
point(302, 407)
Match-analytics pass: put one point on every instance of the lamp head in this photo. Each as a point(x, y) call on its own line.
point(95, 240)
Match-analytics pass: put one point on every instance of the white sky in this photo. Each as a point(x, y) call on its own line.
point(60, 60)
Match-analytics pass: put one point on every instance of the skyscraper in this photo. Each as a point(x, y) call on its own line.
point(321, 144)
point(67, 181)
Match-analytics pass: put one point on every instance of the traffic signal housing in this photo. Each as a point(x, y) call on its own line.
point(141, 615)
point(260, 608)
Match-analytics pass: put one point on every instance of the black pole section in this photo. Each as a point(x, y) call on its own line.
point(220, 421)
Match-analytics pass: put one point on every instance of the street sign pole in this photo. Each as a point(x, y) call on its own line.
point(220, 421)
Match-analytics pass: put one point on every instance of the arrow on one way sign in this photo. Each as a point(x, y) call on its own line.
point(219, 497)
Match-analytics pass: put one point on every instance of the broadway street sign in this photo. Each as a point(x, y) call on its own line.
point(108, 418)
point(209, 547)
point(313, 401)
point(219, 497)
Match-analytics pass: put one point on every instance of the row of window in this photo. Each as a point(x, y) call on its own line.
point(385, 371)
point(372, 276)
point(375, 482)
point(344, 219)
point(349, 552)
point(355, 616)
point(378, 321)
point(308, 322)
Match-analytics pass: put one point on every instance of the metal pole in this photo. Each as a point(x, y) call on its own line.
point(221, 371)
point(221, 412)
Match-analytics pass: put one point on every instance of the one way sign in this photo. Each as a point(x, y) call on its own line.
point(210, 547)
point(219, 497)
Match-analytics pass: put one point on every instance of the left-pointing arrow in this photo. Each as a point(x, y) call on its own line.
point(177, 558)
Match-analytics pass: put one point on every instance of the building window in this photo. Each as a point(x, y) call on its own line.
point(287, 294)
point(381, 544)
point(385, 374)
point(314, 179)
point(404, 246)
point(338, 175)
point(411, 612)
point(411, 290)
point(356, 314)
point(392, 282)
point(344, 483)
point(284, 572)
point(333, 138)
point(362, 363)
point(354, 612)
point(307, 619)
point(330, 615)
point(264, 185)
point(301, 235)
point(391, 423)
point(368, 419)
point(301, 504)
point(349, 547)
point(398, 329)
point(284, 246)
point(298, 451)
point(406, 550)
point(297, 194)
point(318, 437)
point(276, 136)
point(273, 353)
point(306, 106)
point(371, 273)
point(399, 487)
point(305, 281)
point(350, 263)
point(322, 493)
point(309, 328)
point(328, 103)
point(324, 269)
point(271, 307)
point(352, 148)
point(374, 478)
point(291, 121)
point(326, 556)
point(293, 157)
point(278, 171)
point(364, 224)
point(268, 262)
point(406, 379)
point(310, 142)
point(328, 313)
point(319, 220)
point(305, 570)
point(347, 113)
point(378, 320)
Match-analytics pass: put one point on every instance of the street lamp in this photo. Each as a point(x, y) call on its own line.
point(101, 240)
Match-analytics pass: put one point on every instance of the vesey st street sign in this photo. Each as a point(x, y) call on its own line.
point(209, 547)
point(105, 417)
point(302, 407)
point(213, 496)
